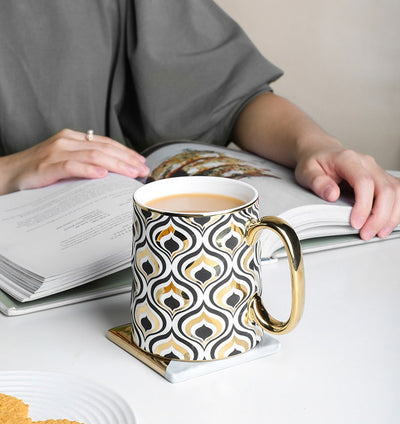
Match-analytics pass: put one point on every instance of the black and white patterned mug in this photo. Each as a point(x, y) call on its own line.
point(196, 292)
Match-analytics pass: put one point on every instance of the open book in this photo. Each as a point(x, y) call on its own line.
point(75, 232)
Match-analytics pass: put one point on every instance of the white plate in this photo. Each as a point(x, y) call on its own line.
point(53, 395)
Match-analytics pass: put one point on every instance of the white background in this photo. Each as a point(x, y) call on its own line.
point(342, 64)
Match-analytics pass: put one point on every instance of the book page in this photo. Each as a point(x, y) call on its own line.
point(72, 224)
point(276, 185)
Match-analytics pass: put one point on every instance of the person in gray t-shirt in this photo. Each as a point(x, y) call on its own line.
point(141, 72)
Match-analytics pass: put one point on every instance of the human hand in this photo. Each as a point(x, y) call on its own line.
point(376, 210)
point(68, 154)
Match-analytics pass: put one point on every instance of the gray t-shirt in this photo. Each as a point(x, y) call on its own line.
point(139, 71)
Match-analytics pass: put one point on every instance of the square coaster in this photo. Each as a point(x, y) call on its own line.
point(178, 371)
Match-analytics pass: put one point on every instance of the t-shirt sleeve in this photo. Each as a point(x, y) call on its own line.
point(193, 69)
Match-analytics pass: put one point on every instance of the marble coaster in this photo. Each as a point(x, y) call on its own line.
point(178, 371)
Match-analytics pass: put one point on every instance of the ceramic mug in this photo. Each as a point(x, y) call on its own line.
point(196, 292)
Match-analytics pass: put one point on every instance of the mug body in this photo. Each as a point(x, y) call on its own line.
point(194, 273)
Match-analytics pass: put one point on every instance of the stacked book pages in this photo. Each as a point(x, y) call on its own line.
point(59, 237)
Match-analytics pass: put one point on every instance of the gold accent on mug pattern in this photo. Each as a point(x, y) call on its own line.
point(147, 320)
point(147, 262)
point(233, 347)
point(171, 348)
point(230, 239)
point(172, 241)
point(172, 298)
point(203, 270)
point(203, 328)
point(231, 295)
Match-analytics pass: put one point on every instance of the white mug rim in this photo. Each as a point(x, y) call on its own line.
point(214, 182)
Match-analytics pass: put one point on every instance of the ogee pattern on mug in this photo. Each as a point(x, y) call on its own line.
point(193, 278)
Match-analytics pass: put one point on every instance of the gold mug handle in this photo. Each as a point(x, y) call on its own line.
point(258, 313)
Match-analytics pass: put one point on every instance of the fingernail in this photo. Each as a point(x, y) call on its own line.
point(385, 232)
point(358, 222)
point(144, 169)
point(327, 191)
point(132, 170)
point(101, 172)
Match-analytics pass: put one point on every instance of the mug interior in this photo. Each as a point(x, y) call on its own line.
point(192, 185)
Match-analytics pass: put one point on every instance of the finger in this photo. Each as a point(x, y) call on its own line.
point(325, 187)
point(364, 189)
point(69, 135)
point(108, 154)
point(394, 219)
point(315, 178)
point(109, 141)
point(376, 194)
point(54, 172)
point(381, 211)
point(348, 167)
point(110, 162)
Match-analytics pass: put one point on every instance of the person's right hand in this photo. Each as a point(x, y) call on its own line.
point(68, 154)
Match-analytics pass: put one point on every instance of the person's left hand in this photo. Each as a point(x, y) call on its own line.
point(376, 209)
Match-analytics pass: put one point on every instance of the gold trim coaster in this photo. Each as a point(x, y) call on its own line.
point(121, 336)
point(178, 371)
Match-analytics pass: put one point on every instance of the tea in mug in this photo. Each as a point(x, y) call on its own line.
point(195, 203)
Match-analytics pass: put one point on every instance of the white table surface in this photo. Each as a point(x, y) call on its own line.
point(340, 365)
